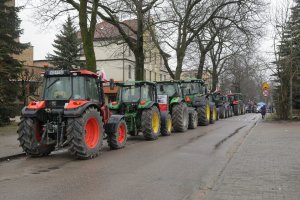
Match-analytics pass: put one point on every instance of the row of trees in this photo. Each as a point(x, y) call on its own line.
point(201, 34)
point(287, 55)
point(10, 68)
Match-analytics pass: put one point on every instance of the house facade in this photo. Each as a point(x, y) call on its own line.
point(117, 61)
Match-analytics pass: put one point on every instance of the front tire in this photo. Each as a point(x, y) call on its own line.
point(213, 115)
point(30, 136)
point(203, 115)
point(166, 126)
point(193, 120)
point(86, 134)
point(180, 117)
point(118, 139)
point(151, 123)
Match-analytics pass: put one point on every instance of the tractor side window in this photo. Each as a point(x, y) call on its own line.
point(78, 88)
point(147, 93)
point(92, 89)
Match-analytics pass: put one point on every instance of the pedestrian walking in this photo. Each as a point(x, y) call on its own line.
point(263, 111)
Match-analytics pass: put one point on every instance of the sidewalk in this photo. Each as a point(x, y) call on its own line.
point(267, 165)
point(9, 144)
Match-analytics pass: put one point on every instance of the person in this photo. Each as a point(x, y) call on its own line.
point(263, 111)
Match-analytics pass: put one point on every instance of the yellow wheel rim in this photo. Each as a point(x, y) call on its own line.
point(169, 125)
point(155, 122)
point(214, 114)
point(207, 112)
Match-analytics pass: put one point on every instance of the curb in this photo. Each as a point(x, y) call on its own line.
point(11, 157)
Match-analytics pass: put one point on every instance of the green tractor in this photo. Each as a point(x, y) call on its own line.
point(137, 101)
point(223, 106)
point(182, 116)
point(237, 103)
point(196, 96)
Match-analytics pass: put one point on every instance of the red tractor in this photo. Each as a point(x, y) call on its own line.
point(71, 113)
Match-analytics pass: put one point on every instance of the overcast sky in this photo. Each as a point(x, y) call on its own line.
point(42, 39)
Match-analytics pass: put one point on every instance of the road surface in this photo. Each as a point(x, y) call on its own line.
point(182, 166)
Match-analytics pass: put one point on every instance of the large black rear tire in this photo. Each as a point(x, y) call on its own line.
point(193, 120)
point(30, 135)
point(166, 126)
point(151, 123)
point(180, 117)
point(118, 139)
point(85, 134)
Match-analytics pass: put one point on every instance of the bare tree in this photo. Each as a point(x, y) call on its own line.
point(183, 21)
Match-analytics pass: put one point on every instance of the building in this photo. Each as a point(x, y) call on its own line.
point(116, 59)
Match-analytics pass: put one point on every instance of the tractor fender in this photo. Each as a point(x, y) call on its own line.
point(191, 109)
point(201, 101)
point(29, 112)
point(77, 112)
point(149, 105)
point(176, 100)
point(112, 125)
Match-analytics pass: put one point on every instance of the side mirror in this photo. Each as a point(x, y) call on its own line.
point(111, 84)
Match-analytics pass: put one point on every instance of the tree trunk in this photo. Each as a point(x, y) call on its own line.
point(180, 57)
point(139, 52)
point(201, 65)
point(88, 46)
point(215, 79)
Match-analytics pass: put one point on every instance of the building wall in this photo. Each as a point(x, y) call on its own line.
point(26, 56)
point(111, 57)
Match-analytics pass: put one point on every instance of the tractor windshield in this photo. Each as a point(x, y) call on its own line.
point(60, 88)
point(136, 93)
point(191, 88)
point(130, 94)
point(167, 89)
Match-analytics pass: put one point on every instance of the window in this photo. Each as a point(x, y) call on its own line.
point(150, 77)
point(154, 58)
point(129, 72)
point(160, 77)
point(155, 76)
point(150, 56)
point(92, 89)
point(161, 61)
point(165, 76)
point(129, 52)
point(144, 74)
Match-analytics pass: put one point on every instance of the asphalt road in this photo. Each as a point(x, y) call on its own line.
point(182, 166)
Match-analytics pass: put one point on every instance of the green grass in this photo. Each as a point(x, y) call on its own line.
point(9, 129)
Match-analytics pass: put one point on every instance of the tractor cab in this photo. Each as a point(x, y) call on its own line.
point(134, 95)
point(169, 88)
point(64, 89)
point(237, 103)
point(193, 90)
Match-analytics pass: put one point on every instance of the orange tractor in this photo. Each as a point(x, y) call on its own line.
point(71, 113)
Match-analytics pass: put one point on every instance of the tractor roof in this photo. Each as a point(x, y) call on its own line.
point(193, 81)
point(231, 94)
point(133, 83)
point(168, 82)
point(60, 72)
